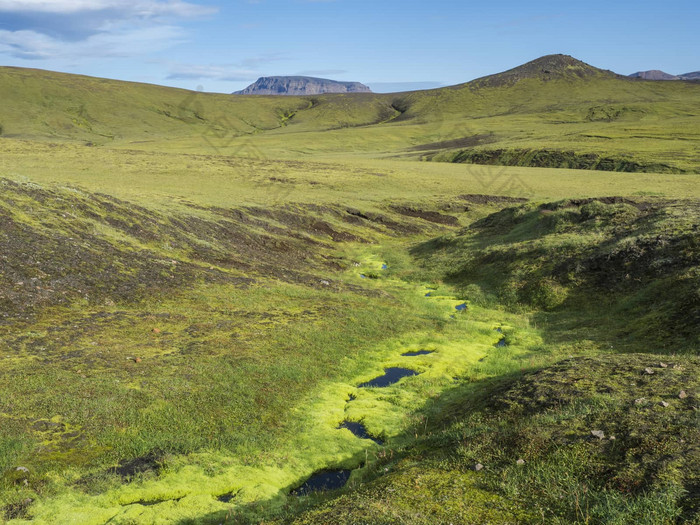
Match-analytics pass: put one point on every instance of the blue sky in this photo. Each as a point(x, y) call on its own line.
point(388, 44)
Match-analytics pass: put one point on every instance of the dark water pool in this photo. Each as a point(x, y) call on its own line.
point(359, 430)
point(461, 307)
point(429, 294)
point(226, 498)
point(419, 352)
point(391, 376)
point(384, 267)
point(501, 343)
point(324, 480)
point(499, 330)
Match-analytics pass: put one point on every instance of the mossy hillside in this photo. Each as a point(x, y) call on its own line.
point(171, 495)
point(64, 245)
point(644, 467)
point(546, 119)
point(138, 369)
point(643, 470)
point(631, 265)
point(48, 105)
point(314, 441)
point(638, 124)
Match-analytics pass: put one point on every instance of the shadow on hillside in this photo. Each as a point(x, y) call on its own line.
point(454, 403)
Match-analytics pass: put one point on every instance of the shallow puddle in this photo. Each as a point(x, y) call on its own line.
point(501, 343)
point(385, 267)
point(461, 307)
point(226, 498)
point(324, 480)
point(419, 352)
point(359, 430)
point(391, 376)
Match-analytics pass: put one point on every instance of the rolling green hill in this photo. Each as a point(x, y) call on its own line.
point(552, 112)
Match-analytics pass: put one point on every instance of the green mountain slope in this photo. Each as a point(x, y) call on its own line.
point(552, 112)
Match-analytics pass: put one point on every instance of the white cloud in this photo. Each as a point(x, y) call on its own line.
point(247, 69)
point(143, 8)
point(31, 45)
point(77, 29)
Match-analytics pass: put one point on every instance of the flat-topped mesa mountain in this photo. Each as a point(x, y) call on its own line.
point(301, 86)
point(654, 74)
point(549, 67)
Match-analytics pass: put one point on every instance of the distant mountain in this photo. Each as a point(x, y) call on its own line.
point(301, 86)
point(695, 75)
point(654, 74)
point(548, 67)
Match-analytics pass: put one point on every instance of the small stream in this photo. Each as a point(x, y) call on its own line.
point(419, 352)
point(335, 479)
point(359, 430)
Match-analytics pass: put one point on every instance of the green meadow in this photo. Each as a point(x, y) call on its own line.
point(194, 287)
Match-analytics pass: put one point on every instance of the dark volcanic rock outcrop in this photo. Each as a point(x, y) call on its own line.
point(301, 86)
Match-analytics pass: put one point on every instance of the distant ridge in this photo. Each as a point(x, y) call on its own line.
point(301, 86)
point(548, 67)
point(654, 74)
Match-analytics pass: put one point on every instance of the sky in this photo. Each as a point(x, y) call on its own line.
point(390, 45)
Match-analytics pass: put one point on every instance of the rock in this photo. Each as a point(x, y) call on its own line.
point(22, 469)
point(598, 434)
point(665, 404)
point(663, 365)
point(478, 467)
point(301, 86)
point(520, 462)
point(156, 330)
point(682, 394)
point(649, 371)
point(654, 74)
point(640, 401)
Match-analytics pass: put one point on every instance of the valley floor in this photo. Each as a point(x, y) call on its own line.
point(182, 346)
